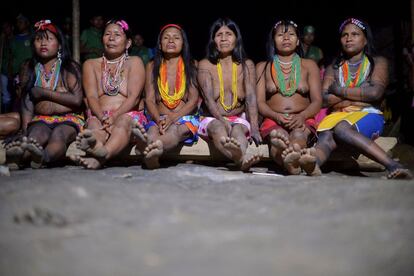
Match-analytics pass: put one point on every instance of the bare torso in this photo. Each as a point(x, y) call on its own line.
point(107, 102)
point(283, 104)
point(227, 82)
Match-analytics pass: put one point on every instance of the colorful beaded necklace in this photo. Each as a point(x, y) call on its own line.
point(111, 83)
point(347, 79)
point(292, 75)
point(172, 101)
point(45, 79)
point(233, 86)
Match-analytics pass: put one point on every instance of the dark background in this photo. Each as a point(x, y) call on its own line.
point(255, 20)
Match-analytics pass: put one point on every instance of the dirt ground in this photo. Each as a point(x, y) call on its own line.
point(201, 219)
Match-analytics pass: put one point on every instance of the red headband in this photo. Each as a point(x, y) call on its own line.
point(171, 25)
point(44, 25)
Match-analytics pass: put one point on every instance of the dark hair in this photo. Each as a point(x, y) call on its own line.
point(369, 49)
point(238, 54)
point(121, 23)
point(189, 67)
point(270, 45)
point(68, 64)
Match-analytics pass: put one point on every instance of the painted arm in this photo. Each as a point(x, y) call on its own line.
point(251, 102)
point(71, 98)
point(150, 98)
point(90, 84)
point(371, 91)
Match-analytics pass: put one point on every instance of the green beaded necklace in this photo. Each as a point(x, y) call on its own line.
point(294, 76)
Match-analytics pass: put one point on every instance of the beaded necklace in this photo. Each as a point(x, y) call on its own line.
point(172, 101)
point(290, 74)
point(111, 83)
point(233, 86)
point(45, 79)
point(348, 79)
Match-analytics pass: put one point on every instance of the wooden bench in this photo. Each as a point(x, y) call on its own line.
point(203, 151)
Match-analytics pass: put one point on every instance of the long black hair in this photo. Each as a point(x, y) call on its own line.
point(270, 45)
point(369, 49)
point(189, 67)
point(68, 64)
point(213, 55)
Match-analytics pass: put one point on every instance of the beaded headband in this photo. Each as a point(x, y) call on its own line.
point(288, 22)
point(121, 23)
point(44, 25)
point(354, 21)
point(171, 25)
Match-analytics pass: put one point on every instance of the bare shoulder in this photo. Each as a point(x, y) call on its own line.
point(135, 61)
point(380, 60)
point(310, 64)
point(91, 63)
point(261, 65)
point(249, 63)
point(149, 66)
point(204, 64)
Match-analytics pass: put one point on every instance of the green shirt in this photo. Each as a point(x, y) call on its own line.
point(92, 38)
point(314, 53)
point(143, 52)
point(20, 50)
point(5, 43)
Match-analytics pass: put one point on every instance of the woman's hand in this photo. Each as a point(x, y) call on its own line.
point(296, 121)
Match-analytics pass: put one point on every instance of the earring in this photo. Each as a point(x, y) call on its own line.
point(126, 53)
point(59, 55)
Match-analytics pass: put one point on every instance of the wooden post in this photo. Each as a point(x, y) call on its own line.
point(2, 38)
point(412, 21)
point(75, 30)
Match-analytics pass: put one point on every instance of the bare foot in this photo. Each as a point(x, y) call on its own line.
point(291, 157)
point(87, 162)
point(279, 140)
point(400, 173)
point(36, 152)
point(250, 161)
point(233, 147)
point(139, 137)
point(152, 154)
point(87, 142)
point(307, 162)
point(14, 154)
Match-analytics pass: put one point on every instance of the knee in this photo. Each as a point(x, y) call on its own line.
point(342, 129)
point(327, 138)
point(16, 116)
point(215, 128)
point(239, 128)
point(123, 121)
point(297, 135)
point(9, 126)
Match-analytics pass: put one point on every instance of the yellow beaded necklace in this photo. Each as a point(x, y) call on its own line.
point(233, 86)
point(172, 101)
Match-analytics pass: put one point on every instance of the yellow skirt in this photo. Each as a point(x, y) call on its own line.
point(333, 119)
